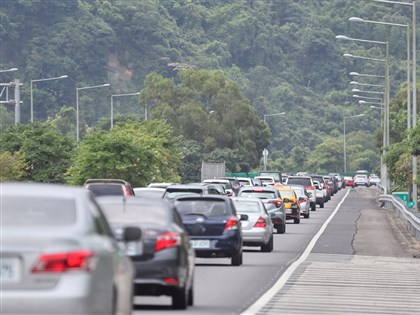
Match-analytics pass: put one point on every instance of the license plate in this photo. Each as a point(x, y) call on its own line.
point(132, 248)
point(200, 243)
point(9, 270)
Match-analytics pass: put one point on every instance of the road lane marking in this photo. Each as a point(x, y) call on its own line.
point(266, 297)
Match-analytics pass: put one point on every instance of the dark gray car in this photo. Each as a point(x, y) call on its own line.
point(163, 258)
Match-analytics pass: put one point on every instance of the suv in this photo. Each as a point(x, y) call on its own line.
point(324, 187)
point(236, 185)
point(109, 187)
point(307, 182)
point(361, 179)
point(226, 184)
point(276, 175)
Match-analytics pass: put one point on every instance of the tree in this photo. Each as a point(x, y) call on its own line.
point(137, 152)
point(43, 147)
point(12, 166)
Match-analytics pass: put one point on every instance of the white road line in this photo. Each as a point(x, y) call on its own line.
point(266, 297)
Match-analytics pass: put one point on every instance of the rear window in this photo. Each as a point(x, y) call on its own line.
point(299, 181)
point(173, 193)
point(106, 189)
point(149, 193)
point(244, 181)
point(258, 194)
point(37, 211)
point(135, 213)
point(208, 208)
point(276, 176)
point(299, 192)
point(247, 207)
point(287, 193)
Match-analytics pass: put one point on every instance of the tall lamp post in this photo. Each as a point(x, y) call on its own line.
point(344, 142)
point(269, 115)
point(406, 26)
point(32, 98)
point(77, 105)
point(112, 104)
point(413, 5)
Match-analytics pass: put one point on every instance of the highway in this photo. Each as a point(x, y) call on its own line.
point(358, 227)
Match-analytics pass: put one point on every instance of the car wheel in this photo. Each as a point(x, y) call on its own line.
point(306, 215)
point(191, 296)
point(266, 248)
point(236, 259)
point(313, 207)
point(296, 221)
point(180, 299)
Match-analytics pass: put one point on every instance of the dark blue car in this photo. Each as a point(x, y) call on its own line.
point(213, 226)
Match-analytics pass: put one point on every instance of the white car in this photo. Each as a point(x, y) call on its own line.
point(361, 180)
point(374, 180)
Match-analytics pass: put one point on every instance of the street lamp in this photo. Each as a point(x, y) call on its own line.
point(369, 92)
point(362, 57)
point(413, 5)
point(32, 99)
point(367, 97)
point(365, 84)
point(276, 114)
point(77, 105)
point(9, 70)
point(366, 75)
point(356, 19)
point(344, 143)
point(365, 102)
point(112, 104)
point(376, 107)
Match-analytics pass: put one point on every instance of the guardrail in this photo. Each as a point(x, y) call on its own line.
point(412, 222)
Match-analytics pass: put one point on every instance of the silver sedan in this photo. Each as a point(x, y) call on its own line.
point(257, 229)
point(58, 254)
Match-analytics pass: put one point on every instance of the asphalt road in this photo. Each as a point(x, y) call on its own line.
point(224, 289)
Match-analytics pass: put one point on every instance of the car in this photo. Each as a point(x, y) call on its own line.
point(319, 193)
point(59, 254)
point(173, 191)
point(361, 180)
point(149, 192)
point(326, 192)
point(274, 174)
point(348, 181)
point(213, 226)
point(266, 180)
point(374, 180)
point(340, 180)
point(307, 182)
point(273, 202)
point(109, 187)
point(257, 229)
point(163, 258)
point(329, 181)
point(246, 181)
point(234, 182)
point(291, 203)
point(160, 185)
point(303, 200)
point(226, 184)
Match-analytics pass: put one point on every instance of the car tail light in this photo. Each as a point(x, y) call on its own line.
point(277, 202)
point(310, 187)
point(231, 224)
point(277, 221)
point(166, 240)
point(127, 191)
point(324, 185)
point(303, 200)
point(62, 262)
point(293, 202)
point(171, 281)
point(260, 223)
point(258, 189)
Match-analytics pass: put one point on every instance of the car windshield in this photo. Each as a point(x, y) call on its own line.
point(146, 193)
point(37, 211)
point(207, 208)
point(106, 189)
point(258, 194)
point(299, 181)
point(173, 193)
point(247, 206)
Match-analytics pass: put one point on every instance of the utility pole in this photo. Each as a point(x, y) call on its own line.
point(16, 102)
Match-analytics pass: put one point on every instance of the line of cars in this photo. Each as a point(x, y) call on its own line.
point(92, 249)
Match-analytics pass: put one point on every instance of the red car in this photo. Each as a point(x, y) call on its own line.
point(348, 181)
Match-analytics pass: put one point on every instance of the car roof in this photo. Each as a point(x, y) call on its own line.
point(258, 188)
point(42, 190)
point(206, 197)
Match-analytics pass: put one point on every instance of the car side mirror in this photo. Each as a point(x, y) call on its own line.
point(131, 234)
point(243, 217)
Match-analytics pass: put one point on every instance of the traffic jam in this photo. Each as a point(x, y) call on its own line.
point(93, 248)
